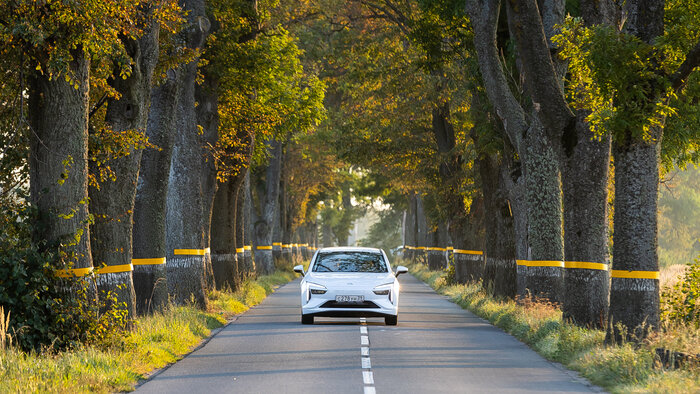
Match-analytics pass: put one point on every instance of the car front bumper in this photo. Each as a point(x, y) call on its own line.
point(325, 305)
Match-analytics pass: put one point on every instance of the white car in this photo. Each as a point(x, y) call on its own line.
point(350, 282)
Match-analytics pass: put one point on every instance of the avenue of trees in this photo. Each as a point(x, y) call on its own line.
point(169, 148)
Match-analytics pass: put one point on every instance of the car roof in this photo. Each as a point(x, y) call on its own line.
point(350, 249)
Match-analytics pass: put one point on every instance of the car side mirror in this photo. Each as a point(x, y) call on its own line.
point(400, 270)
point(299, 269)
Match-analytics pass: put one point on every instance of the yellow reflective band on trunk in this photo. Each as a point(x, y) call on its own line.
point(191, 252)
point(586, 265)
point(435, 249)
point(287, 246)
point(69, 273)
point(462, 251)
point(449, 248)
point(419, 248)
point(634, 274)
point(408, 247)
point(248, 247)
point(156, 261)
point(114, 269)
point(239, 250)
point(540, 263)
point(276, 244)
point(263, 247)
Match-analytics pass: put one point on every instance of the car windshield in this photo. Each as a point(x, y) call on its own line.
point(350, 262)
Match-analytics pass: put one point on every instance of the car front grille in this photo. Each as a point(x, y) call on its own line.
point(335, 304)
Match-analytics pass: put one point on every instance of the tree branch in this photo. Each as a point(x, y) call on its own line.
point(692, 60)
point(542, 80)
point(484, 17)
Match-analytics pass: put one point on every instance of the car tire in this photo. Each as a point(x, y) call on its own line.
point(391, 320)
point(307, 319)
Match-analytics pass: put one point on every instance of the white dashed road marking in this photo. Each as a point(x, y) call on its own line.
point(367, 375)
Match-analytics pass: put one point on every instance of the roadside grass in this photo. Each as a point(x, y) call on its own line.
point(154, 342)
point(623, 368)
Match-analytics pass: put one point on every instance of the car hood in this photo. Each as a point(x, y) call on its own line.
point(350, 279)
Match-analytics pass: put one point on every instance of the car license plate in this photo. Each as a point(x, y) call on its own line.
point(349, 298)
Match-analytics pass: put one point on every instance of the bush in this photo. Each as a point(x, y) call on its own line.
point(680, 303)
point(46, 311)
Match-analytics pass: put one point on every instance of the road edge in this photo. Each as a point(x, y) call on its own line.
point(570, 372)
point(152, 374)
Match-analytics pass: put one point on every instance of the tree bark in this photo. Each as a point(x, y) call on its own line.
point(634, 301)
point(544, 216)
point(248, 262)
point(634, 289)
point(112, 202)
point(465, 230)
point(149, 246)
point(240, 229)
point(207, 112)
point(500, 276)
point(187, 241)
point(537, 141)
point(433, 253)
point(266, 212)
point(585, 184)
point(223, 236)
point(420, 254)
point(58, 167)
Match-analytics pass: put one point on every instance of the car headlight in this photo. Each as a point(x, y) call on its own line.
point(384, 289)
point(317, 289)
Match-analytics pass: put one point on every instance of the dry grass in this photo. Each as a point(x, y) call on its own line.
point(5, 337)
point(671, 275)
point(619, 369)
point(153, 342)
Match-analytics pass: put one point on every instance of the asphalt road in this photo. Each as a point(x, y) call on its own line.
point(436, 348)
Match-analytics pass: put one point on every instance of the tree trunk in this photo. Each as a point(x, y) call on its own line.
point(433, 253)
point(410, 229)
point(207, 112)
point(248, 262)
point(467, 241)
point(112, 203)
point(187, 241)
point(585, 184)
point(537, 138)
point(634, 291)
point(500, 276)
point(58, 167)
point(149, 246)
point(545, 267)
point(444, 241)
point(326, 235)
point(518, 205)
point(420, 254)
point(240, 229)
point(267, 210)
point(223, 236)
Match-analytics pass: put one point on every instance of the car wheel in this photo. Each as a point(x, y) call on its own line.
point(307, 319)
point(391, 320)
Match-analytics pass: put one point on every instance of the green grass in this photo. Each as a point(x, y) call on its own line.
point(618, 369)
point(154, 342)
